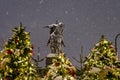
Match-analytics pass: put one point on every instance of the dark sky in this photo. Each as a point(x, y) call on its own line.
point(85, 21)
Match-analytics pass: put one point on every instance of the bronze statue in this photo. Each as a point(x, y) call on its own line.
point(55, 40)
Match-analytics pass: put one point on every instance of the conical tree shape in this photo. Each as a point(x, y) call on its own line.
point(16, 64)
point(61, 69)
point(102, 62)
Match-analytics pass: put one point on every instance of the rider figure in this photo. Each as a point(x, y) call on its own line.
point(56, 37)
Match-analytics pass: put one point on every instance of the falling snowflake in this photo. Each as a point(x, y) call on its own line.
point(22, 15)
point(41, 1)
point(78, 39)
point(87, 19)
point(66, 12)
point(115, 18)
point(108, 18)
point(77, 19)
point(7, 13)
point(73, 8)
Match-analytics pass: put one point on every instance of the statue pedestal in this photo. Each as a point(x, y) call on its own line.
point(49, 58)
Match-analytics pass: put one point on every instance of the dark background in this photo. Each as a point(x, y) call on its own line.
point(85, 21)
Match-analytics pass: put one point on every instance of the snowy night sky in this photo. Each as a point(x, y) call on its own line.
point(85, 21)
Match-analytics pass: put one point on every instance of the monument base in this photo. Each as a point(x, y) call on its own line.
point(49, 58)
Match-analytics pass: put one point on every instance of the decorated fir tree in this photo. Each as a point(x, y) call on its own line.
point(16, 62)
point(61, 69)
point(102, 63)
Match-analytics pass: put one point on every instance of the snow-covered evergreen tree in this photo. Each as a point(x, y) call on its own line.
point(61, 69)
point(15, 64)
point(102, 62)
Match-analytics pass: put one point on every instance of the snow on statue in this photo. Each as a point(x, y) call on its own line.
point(56, 37)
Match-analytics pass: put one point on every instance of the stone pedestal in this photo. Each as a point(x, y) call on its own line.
point(49, 58)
